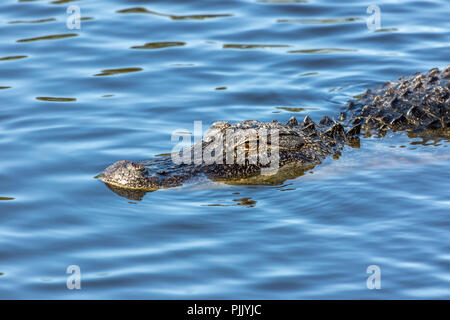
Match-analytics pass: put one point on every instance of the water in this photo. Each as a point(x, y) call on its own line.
point(75, 101)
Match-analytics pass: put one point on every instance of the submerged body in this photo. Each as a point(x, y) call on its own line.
point(419, 105)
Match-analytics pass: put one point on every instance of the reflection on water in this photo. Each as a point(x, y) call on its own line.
point(6, 198)
point(112, 72)
point(291, 171)
point(428, 141)
point(253, 46)
point(52, 37)
point(159, 45)
point(298, 109)
point(32, 21)
point(12, 58)
point(56, 99)
point(307, 74)
point(282, 1)
point(337, 89)
point(62, 1)
point(324, 50)
point(246, 202)
point(174, 17)
point(387, 30)
point(182, 64)
point(131, 194)
point(320, 21)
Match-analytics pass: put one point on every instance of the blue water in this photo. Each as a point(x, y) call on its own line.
point(386, 203)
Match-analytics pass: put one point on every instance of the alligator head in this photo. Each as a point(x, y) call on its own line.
point(148, 175)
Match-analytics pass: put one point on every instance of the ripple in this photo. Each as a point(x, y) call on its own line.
point(282, 1)
point(137, 10)
point(56, 99)
point(246, 202)
point(324, 50)
point(52, 37)
point(292, 109)
point(113, 72)
point(253, 46)
point(182, 64)
point(308, 74)
point(163, 154)
point(216, 205)
point(62, 1)
point(33, 21)
point(320, 21)
point(174, 17)
point(200, 16)
point(12, 58)
point(387, 30)
point(335, 89)
point(159, 45)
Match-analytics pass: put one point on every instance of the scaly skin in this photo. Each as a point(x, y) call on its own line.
point(419, 105)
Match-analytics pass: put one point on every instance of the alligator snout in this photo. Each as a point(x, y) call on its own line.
point(126, 173)
point(151, 175)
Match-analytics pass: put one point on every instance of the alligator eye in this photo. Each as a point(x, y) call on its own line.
point(135, 166)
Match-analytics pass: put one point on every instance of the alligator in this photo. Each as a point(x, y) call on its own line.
point(418, 104)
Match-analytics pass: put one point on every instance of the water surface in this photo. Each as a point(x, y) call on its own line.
point(75, 101)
